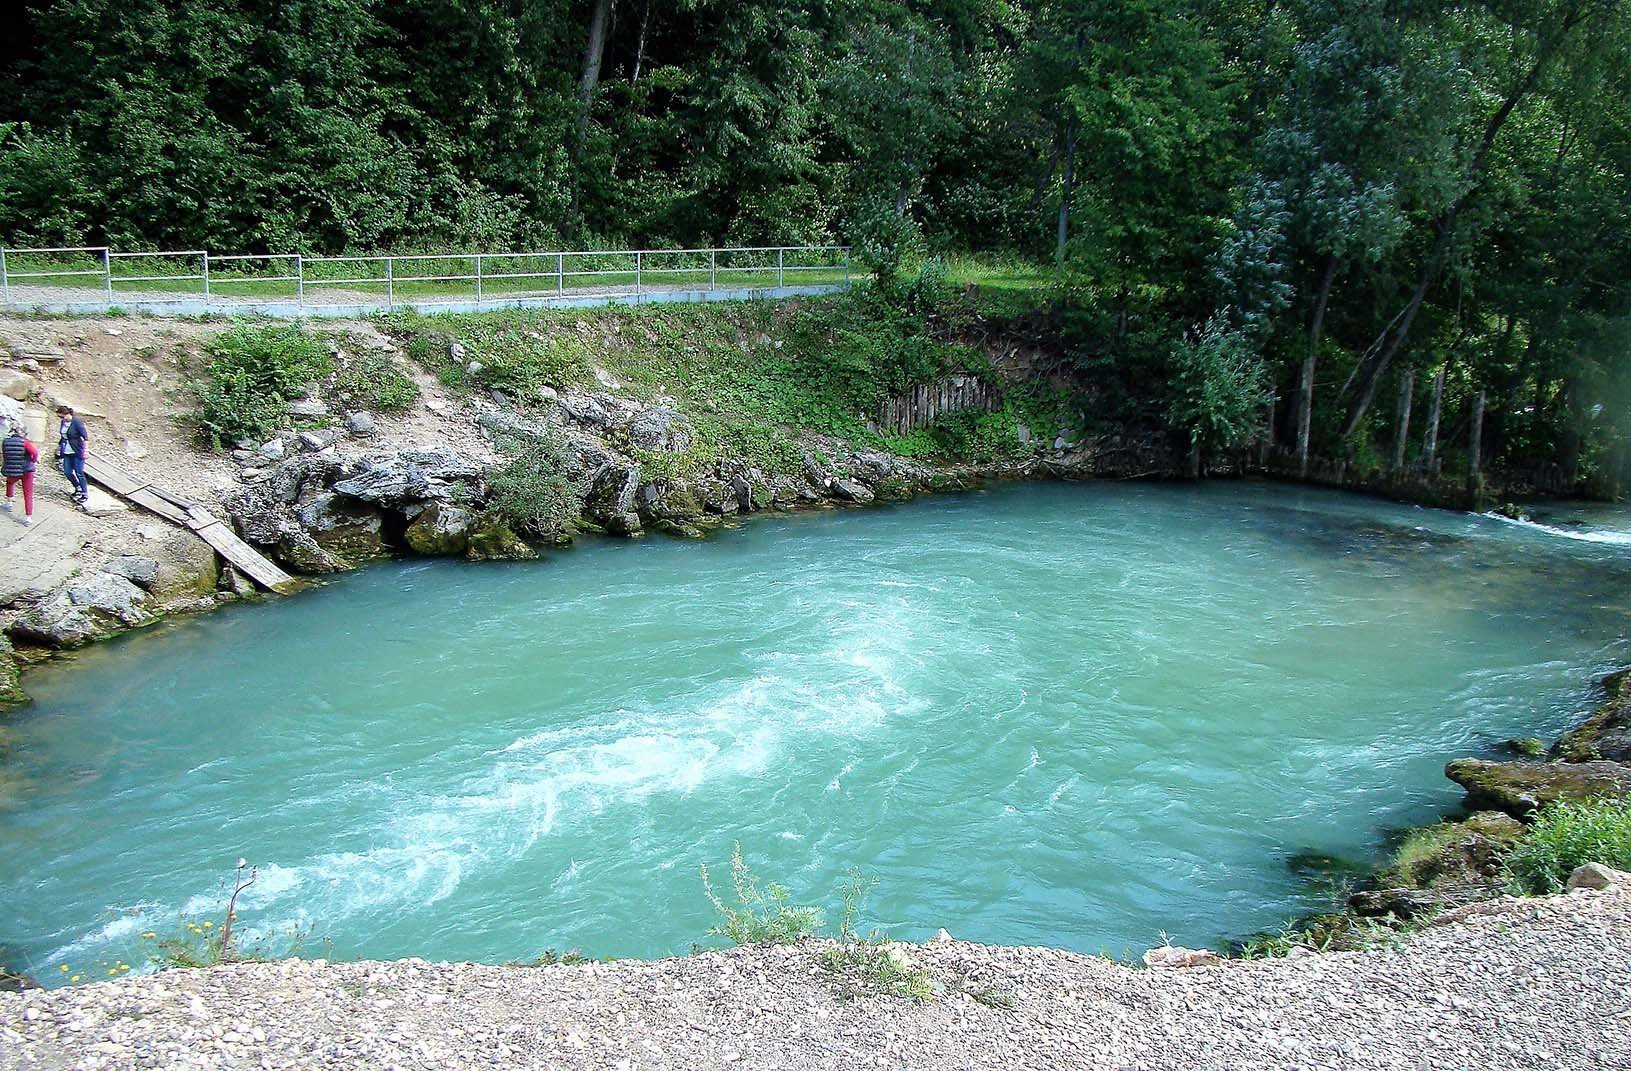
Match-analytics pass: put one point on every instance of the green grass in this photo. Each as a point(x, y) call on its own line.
point(753, 377)
point(1412, 864)
point(253, 370)
point(1564, 836)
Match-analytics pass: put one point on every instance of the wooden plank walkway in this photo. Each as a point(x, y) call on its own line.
point(194, 517)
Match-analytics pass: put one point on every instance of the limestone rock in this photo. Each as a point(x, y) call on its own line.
point(314, 441)
point(872, 465)
point(490, 539)
point(271, 450)
point(661, 430)
point(440, 529)
point(300, 552)
point(85, 610)
point(307, 409)
point(16, 384)
point(301, 476)
point(853, 491)
point(387, 481)
point(343, 526)
point(1607, 733)
point(670, 505)
point(1174, 956)
point(585, 409)
point(1520, 787)
point(1596, 876)
point(360, 424)
point(610, 502)
point(143, 572)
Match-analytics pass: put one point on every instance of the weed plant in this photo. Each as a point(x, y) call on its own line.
point(1564, 836)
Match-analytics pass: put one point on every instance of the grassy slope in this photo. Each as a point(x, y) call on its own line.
point(757, 379)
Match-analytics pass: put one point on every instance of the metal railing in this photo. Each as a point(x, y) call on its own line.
point(91, 278)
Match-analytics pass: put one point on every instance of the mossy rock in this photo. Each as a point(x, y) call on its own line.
point(1520, 788)
point(1452, 853)
point(490, 539)
point(1607, 733)
point(11, 688)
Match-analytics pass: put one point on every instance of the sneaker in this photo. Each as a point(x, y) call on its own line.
point(27, 521)
point(6, 505)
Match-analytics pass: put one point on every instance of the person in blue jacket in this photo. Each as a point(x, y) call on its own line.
point(73, 445)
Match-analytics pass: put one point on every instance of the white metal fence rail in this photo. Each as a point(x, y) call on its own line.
point(92, 277)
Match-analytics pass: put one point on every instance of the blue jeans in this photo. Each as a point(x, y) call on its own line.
point(73, 467)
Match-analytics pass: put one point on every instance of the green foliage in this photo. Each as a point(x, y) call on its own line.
point(758, 915)
point(371, 380)
point(1413, 863)
point(1217, 387)
point(536, 491)
point(1567, 835)
point(253, 370)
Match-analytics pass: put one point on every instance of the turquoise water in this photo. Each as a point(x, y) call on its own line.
point(1076, 715)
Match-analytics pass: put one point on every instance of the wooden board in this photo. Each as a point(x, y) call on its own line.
point(189, 515)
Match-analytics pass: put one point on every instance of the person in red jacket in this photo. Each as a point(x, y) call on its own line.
point(17, 459)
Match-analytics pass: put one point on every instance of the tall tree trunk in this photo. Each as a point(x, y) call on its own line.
point(594, 50)
point(1429, 450)
point(1267, 446)
point(1069, 186)
point(640, 49)
point(1475, 439)
point(1392, 339)
point(1305, 387)
point(1407, 393)
point(1045, 178)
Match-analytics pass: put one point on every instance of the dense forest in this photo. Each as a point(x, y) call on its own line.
point(1312, 208)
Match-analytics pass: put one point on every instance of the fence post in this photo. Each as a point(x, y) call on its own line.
point(299, 281)
point(390, 286)
point(637, 258)
point(778, 269)
point(560, 273)
point(5, 283)
point(107, 272)
point(478, 276)
point(713, 267)
point(206, 277)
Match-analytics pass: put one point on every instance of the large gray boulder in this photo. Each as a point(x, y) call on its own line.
point(343, 526)
point(271, 524)
point(671, 505)
point(385, 481)
point(610, 502)
point(298, 477)
point(872, 466)
point(83, 611)
point(660, 430)
point(441, 529)
point(490, 539)
point(143, 572)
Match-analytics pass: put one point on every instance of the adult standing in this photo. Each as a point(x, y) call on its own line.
point(17, 457)
point(73, 445)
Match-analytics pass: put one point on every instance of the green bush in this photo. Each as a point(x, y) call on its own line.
point(1566, 835)
point(534, 492)
point(253, 370)
point(373, 381)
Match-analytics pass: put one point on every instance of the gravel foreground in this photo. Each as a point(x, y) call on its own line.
point(1529, 984)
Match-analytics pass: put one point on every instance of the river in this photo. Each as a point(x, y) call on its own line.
point(1076, 715)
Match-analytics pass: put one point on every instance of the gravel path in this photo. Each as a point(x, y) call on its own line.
point(1533, 984)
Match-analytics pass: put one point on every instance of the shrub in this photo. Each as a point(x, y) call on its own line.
point(373, 381)
point(253, 370)
point(535, 491)
point(1567, 835)
point(759, 915)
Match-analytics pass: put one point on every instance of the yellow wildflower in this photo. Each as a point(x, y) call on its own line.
point(63, 968)
point(208, 924)
point(75, 978)
point(148, 936)
point(112, 970)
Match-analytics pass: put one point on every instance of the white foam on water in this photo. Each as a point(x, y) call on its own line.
point(1613, 539)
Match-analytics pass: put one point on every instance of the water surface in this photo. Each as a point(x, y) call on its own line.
point(1076, 715)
